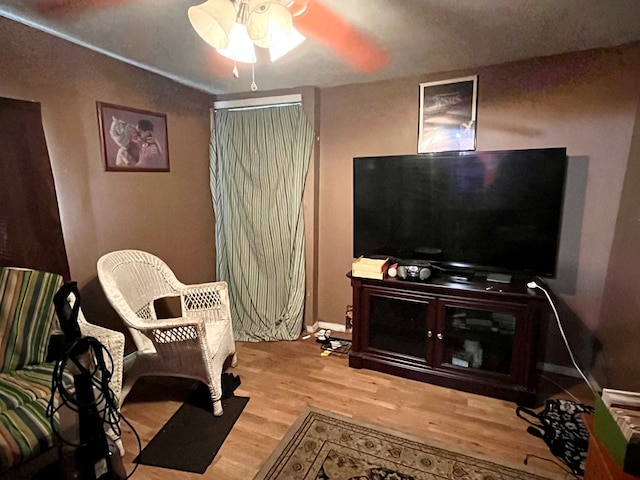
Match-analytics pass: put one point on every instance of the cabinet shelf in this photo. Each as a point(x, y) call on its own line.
point(471, 336)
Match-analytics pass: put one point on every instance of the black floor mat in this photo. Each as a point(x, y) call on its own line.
point(191, 438)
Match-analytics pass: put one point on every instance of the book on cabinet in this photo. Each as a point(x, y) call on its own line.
point(373, 268)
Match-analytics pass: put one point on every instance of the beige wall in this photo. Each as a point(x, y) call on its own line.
point(620, 325)
point(169, 214)
point(585, 101)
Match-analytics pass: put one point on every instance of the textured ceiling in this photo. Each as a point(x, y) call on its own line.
point(419, 36)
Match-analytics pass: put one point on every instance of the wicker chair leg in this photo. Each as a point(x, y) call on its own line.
point(217, 408)
point(216, 399)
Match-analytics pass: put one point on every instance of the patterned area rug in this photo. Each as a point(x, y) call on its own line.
point(325, 446)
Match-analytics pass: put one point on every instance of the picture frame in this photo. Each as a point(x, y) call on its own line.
point(132, 140)
point(448, 110)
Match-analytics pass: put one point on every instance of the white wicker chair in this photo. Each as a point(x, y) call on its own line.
point(195, 345)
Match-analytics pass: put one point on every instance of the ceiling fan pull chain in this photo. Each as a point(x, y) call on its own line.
point(254, 86)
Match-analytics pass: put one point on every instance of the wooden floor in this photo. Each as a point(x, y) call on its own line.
point(282, 378)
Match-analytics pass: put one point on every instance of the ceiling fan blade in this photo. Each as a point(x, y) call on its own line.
point(71, 6)
point(324, 25)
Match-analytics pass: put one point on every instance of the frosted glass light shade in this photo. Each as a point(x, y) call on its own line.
point(269, 23)
point(287, 44)
point(240, 46)
point(213, 21)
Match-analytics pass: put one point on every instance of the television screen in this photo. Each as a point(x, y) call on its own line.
point(490, 211)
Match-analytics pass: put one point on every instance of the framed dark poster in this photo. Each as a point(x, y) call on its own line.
point(448, 115)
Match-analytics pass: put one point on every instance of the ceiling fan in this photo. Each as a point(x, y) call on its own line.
point(313, 19)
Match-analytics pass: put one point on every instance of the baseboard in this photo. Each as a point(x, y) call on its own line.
point(334, 327)
point(128, 360)
point(312, 328)
point(570, 372)
point(559, 369)
point(594, 383)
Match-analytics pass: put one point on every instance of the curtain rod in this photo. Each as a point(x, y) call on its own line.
point(259, 102)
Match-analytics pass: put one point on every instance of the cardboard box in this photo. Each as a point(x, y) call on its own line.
point(625, 454)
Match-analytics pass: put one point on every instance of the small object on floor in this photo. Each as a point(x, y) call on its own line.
point(348, 318)
point(306, 337)
point(336, 345)
point(322, 335)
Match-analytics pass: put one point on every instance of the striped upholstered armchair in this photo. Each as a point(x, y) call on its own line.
point(27, 320)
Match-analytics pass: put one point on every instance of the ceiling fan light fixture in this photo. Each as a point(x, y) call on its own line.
point(235, 27)
point(280, 49)
point(213, 21)
point(269, 23)
point(240, 48)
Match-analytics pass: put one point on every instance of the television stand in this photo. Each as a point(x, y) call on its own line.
point(468, 336)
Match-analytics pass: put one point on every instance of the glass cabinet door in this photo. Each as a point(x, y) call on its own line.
point(397, 325)
point(478, 339)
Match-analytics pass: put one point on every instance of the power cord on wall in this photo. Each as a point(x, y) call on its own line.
point(535, 284)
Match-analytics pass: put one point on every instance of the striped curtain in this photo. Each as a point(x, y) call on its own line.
point(258, 164)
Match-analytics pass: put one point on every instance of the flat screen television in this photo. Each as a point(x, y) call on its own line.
point(496, 211)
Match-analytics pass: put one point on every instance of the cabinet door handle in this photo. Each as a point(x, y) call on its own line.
point(440, 336)
point(429, 333)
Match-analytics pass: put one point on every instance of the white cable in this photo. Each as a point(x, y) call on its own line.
point(534, 284)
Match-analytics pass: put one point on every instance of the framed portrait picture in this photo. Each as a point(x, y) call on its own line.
point(133, 140)
point(448, 115)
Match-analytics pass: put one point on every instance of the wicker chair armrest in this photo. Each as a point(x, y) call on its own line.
point(113, 341)
point(206, 286)
point(156, 323)
point(169, 323)
point(175, 329)
point(203, 296)
point(104, 335)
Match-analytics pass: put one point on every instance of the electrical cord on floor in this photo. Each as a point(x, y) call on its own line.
point(139, 442)
point(537, 284)
point(568, 473)
point(103, 400)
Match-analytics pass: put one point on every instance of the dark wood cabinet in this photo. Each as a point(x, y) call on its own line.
point(475, 336)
